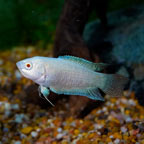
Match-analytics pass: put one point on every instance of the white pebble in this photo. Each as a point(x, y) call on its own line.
point(19, 118)
point(34, 134)
point(99, 111)
point(117, 141)
point(7, 106)
point(104, 109)
point(59, 130)
point(98, 126)
point(124, 101)
point(138, 135)
point(1, 103)
point(17, 142)
point(117, 102)
point(128, 119)
point(49, 121)
point(15, 106)
point(38, 130)
point(59, 136)
point(22, 136)
point(111, 136)
point(123, 129)
point(108, 103)
point(112, 105)
point(73, 124)
point(132, 102)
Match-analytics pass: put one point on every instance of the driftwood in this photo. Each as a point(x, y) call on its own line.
point(69, 41)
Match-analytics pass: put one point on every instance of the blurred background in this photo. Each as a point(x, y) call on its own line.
point(28, 28)
point(33, 22)
point(28, 22)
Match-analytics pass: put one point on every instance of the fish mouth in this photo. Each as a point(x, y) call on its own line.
point(21, 69)
point(19, 65)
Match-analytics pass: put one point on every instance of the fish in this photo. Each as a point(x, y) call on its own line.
point(71, 75)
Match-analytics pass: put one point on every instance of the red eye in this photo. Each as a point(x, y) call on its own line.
point(28, 65)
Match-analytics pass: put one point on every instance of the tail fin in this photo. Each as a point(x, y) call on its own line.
point(113, 84)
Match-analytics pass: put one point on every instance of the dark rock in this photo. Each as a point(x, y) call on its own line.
point(127, 40)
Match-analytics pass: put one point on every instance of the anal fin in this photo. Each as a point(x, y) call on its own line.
point(92, 93)
point(95, 94)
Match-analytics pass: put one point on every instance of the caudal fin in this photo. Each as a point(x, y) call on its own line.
point(114, 84)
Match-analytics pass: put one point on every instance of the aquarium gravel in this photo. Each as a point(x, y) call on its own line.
point(119, 120)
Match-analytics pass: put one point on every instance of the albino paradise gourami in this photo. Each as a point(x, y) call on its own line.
point(71, 76)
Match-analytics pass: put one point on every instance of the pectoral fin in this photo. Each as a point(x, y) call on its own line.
point(92, 93)
point(45, 92)
point(93, 66)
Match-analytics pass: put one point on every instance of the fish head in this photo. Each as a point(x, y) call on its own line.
point(32, 68)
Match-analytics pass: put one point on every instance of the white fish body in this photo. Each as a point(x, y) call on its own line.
point(72, 75)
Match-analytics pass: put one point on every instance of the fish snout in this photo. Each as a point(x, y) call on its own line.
point(19, 65)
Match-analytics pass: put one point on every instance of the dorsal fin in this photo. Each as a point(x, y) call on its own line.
point(93, 66)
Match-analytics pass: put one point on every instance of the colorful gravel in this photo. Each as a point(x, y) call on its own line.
point(117, 121)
